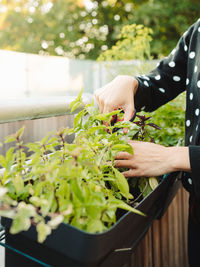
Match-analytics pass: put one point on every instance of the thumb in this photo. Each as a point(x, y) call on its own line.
point(128, 112)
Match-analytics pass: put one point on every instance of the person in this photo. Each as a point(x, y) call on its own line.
point(174, 74)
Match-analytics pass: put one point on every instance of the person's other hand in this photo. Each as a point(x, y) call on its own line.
point(118, 94)
point(151, 159)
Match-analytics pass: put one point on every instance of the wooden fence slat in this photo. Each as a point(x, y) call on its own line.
point(156, 244)
point(164, 240)
point(165, 244)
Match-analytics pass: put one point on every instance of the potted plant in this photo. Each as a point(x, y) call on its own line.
point(63, 203)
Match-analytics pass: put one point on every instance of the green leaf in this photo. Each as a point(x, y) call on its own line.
point(10, 158)
point(45, 139)
point(78, 118)
point(153, 182)
point(49, 196)
point(3, 161)
point(123, 124)
point(54, 205)
point(96, 128)
point(106, 116)
point(122, 184)
point(144, 186)
point(122, 205)
point(54, 222)
point(20, 132)
point(33, 147)
point(109, 215)
point(3, 191)
point(18, 183)
point(77, 189)
point(123, 147)
point(21, 221)
point(77, 102)
point(43, 231)
point(95, 206)
point(95, 226)
point(10, 138)
point(75, 106)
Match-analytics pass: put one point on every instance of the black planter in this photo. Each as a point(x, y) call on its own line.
point(68, 246)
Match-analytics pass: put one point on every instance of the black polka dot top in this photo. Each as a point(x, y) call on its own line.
point(176, 73)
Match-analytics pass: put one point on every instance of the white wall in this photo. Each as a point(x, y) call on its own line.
point(24, 74)
point(33, 75)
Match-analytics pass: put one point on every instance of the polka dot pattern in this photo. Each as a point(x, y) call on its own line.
point(157, 77)
point(172, 64)
point(188, 123)
point(195, 69)
point(187, 81)
point(185, 48)
point(197, 112)
point(176, 78)
point(146, 77)
point(191, 96)
point(146, 83)
point(162, 90)
point(192, 55)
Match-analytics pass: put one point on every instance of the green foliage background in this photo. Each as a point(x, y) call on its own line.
point(171, 119)
point(71, 28)
point(133, 42)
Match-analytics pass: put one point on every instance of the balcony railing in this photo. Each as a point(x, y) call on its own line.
point(28, 109)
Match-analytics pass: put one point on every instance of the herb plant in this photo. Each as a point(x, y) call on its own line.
point(57, 182)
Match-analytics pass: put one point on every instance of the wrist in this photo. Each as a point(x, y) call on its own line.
point(130, 81)
point(178, 158)
point(135, 85)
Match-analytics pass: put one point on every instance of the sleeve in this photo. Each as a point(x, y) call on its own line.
point(167, 80)
point(194, 154)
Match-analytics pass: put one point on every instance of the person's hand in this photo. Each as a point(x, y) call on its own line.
point(151, 159)
point(118, 94)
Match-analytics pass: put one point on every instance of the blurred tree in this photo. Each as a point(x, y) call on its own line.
point(85, 28)
point(75, 28)
point(134, 43)
point(168, 19)
point(38, 26)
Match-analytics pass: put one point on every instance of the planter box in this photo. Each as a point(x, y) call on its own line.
point(69, 246)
